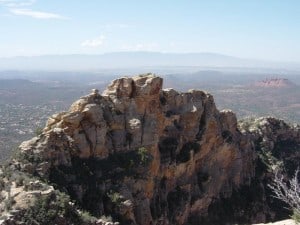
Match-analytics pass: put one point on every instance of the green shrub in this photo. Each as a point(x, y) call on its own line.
point(2, 184)
point(106, 218)
point(288, 191)
point(48, 208)
point(20, 180)
point(8, 203)
point(296, 216)
point(143, 155)
point(38, 131)
point(87, 217)
point(115, 197)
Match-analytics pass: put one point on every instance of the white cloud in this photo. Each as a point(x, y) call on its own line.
point(17, 3)
point(93, 43)
point(36, 14)
point(20, 8)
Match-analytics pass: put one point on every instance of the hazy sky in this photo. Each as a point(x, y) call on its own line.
point(262, 29)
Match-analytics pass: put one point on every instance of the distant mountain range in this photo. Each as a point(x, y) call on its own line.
point(120, 60)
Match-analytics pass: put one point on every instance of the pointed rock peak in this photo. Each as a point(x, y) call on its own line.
point(141, 85)
point(95, 91)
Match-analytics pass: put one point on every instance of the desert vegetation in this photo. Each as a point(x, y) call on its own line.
point(288, 191)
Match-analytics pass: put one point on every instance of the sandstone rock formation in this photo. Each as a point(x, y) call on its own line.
point(146, 155)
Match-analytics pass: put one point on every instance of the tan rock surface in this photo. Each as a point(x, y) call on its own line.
point(145, 154)
point(283, 222)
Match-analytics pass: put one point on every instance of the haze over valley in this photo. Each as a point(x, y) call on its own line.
point(28, 98)
point(149, 112)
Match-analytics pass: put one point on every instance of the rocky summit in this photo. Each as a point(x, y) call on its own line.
point(141, 155)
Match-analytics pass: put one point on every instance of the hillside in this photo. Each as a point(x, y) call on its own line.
point(139, 154)
point(275, 83)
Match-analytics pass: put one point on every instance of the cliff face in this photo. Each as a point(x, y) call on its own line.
point(277, 144)
point(145, 155)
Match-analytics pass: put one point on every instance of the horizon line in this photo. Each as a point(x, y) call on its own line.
point(149, 52)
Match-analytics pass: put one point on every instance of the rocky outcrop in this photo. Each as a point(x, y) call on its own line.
point(146, 155)
point(277, 145)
